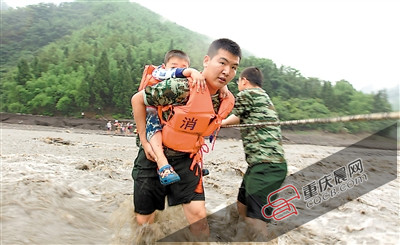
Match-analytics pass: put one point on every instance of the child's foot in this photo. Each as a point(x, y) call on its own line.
point(168, 175)
point(205, 172)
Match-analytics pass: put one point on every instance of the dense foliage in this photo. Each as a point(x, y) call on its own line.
point(89, 57)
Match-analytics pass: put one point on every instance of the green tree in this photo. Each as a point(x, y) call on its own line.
point(82, 94)
point(171, 44)
point(100, 85)
point(311, 87)
point(327, 95)
point(381, 103)
point(24, 73)
point(65, 105)
point(81, 56)
point(122, 90)
point(42, 104)
point(36, 68)
point(150, 55)
point(359, 104)
point(129, 57)
point(343, 92)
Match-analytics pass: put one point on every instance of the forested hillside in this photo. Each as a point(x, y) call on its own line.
point(89, 57)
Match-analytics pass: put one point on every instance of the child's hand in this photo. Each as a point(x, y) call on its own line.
point(223, 92)
point(198, 81)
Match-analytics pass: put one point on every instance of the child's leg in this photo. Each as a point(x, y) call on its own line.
point(156, 144)
point(153, 135)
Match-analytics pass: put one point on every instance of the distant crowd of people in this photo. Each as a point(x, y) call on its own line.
point(120, 127)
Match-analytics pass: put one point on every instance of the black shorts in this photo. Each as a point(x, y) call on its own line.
point(149, 194)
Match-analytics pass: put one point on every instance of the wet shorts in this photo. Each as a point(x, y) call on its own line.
point(149, 194)
point(258, 182)
point(153, 124)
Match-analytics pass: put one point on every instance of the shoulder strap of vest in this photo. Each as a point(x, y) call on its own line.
point(147, 78)
point(227, 105)
point(225, 108)
point(161, 109)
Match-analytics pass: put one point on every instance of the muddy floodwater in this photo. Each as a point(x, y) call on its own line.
point(64, 186)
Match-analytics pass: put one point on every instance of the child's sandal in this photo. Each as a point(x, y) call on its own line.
point(168, 175)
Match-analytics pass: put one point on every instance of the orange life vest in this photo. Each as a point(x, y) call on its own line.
point(185, 130)
point(188, 124)
point(147, 77)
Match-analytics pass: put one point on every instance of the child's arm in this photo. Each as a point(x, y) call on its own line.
point(160, 73)
point(198, 79)
point(223, 92)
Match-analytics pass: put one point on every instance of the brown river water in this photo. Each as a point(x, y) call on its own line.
point(62, 186)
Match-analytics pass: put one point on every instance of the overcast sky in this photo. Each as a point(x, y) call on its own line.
point(355, 40)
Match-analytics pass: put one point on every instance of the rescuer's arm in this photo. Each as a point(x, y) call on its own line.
point(139, 114)
point(232, 119)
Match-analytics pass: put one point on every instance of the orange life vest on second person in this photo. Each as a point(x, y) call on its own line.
point(185, 130)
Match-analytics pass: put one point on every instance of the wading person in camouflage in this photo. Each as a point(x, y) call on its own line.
point(220, 66)
point(262, 146)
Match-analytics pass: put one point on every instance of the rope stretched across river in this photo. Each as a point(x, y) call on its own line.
point(363, 117)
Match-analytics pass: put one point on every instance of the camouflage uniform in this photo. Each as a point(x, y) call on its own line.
point(263, 150)
point(261, 144)
point(149, 194)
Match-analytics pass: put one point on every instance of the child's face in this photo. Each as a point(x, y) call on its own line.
point(176, 62)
